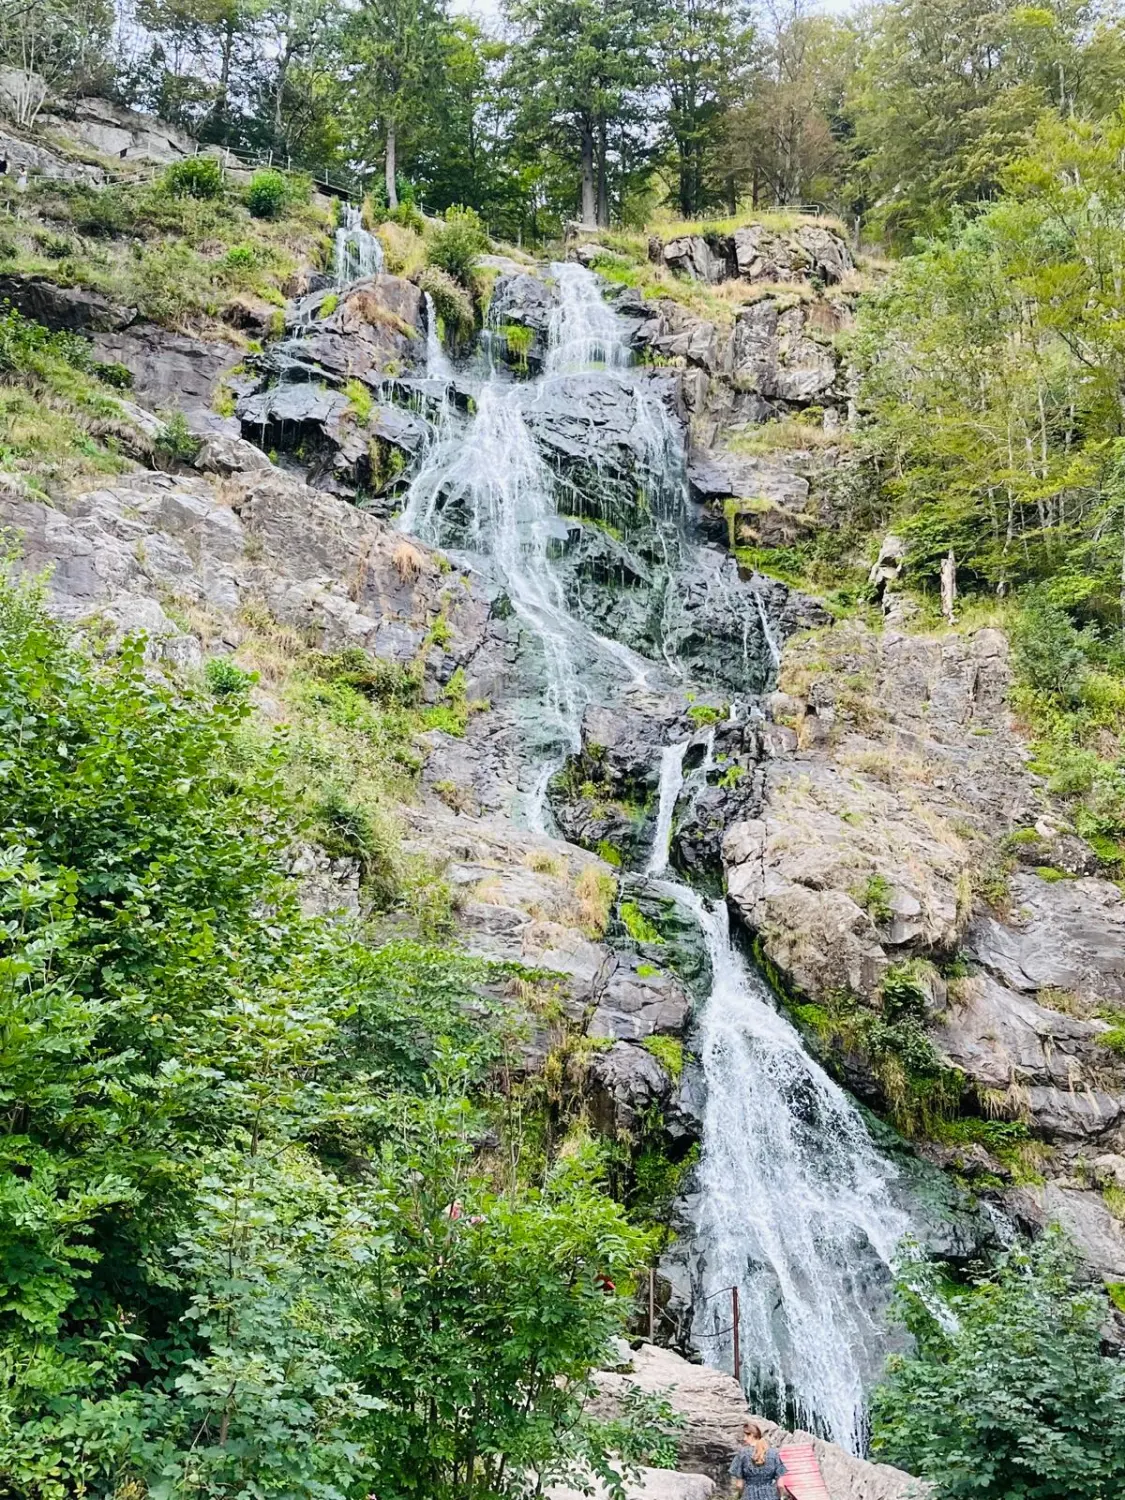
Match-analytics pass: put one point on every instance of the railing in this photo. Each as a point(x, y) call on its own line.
point(734, 1329)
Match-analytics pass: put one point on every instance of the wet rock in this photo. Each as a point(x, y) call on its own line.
point(624, 1083)
point(375, 330)
point(526, 302)
point(73, 308)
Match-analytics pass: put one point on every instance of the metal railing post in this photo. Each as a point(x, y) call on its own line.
point(737, 1348)
point(651, 1304)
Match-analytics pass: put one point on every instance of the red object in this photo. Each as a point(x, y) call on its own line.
point(802, 1477)
point(606, 1285)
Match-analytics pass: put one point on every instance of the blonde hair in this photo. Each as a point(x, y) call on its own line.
point(758, 1444)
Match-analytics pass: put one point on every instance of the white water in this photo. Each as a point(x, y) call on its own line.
point(438, 366)
point(584, 333)
point(768, 633)
point(493, 478)
point(358, 252)
point(795, 1205)
point(671, 783)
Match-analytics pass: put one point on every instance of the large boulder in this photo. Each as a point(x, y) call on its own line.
point(525, 303)
point(776, 352)
point(698, 257)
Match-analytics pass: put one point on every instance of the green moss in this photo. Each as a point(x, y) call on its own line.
point(360, 400)
point(647, 971)
point(637, 925)
point(1114, 1039)
point(607, 852)
point(669, 1053)
point(1050, 874)
point(1115, 1290)
point(329, 305)
point(708, 713)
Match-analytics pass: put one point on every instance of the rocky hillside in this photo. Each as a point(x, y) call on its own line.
point(240, 431)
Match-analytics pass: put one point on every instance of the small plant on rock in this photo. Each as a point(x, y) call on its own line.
point(268, 194)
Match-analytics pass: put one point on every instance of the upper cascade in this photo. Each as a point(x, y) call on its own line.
point(358, 252)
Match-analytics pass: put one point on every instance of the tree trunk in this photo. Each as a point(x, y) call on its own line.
point(390, 172)
point(603, 176)
point(589, 192)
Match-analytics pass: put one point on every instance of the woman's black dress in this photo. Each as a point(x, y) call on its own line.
point(759, 1480)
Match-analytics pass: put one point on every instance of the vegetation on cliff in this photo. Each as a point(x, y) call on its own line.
point(250, 1241)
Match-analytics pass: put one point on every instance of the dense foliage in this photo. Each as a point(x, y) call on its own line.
point(898, 113)
point(1006, 1395)
point(248, 1240)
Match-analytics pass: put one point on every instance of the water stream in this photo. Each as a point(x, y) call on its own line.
point(358, 251)
point(794, 1204)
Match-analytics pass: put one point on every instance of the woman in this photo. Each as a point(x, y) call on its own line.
point(757, 1467)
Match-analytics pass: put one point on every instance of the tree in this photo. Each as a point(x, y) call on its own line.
point(1010, 1394)
point(782, 141)
point(948, 91)
point(583, 68)
point(703, 50)
point(394, 52)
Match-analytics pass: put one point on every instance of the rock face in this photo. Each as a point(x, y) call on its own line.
point(893, 779)
point(73, 308)
point(112, 130)
point(714, 1409)
point(524, 302)
point(811, 251)
point(172, 371)
point(316, 563)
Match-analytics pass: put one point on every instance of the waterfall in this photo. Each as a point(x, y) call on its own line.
point(358, 252)
point(501, 497)
point(671, 783)
point(768, 634)
point(584, 333)
point(438, 366)
point(794, 1206)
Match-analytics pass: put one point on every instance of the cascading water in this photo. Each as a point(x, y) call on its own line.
point(358, 252)
point(671, 781)
point(794, 1205)
point(490, 488)
point(438, 366)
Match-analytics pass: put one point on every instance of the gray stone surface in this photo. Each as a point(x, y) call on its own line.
point(1065, 935)
point(74, 308)
point(714, 1408)
point(172, 371)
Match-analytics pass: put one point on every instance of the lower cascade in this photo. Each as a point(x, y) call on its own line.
point(793, 1204)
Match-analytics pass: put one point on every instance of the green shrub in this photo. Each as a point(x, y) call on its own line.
point(1049, 654)
point(669, 1053)
point(1010, 1394)
point(225, 679)
point(457, 245)
point(407, 217)
point(268, 194)
point(452, 303)
point(113, 373)
point(240, 257)
point(175, 441)
point(194, 177)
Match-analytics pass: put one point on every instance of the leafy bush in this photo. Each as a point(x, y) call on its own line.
point(241, 256)
point(406, 216)
point(452, 303)
point(225, 678)
point(194, 177)
point(268, 194)
point(1011, 1395)
point(175, 441)
point(246, 1242)
point(1049, 650)
point(456, 246)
